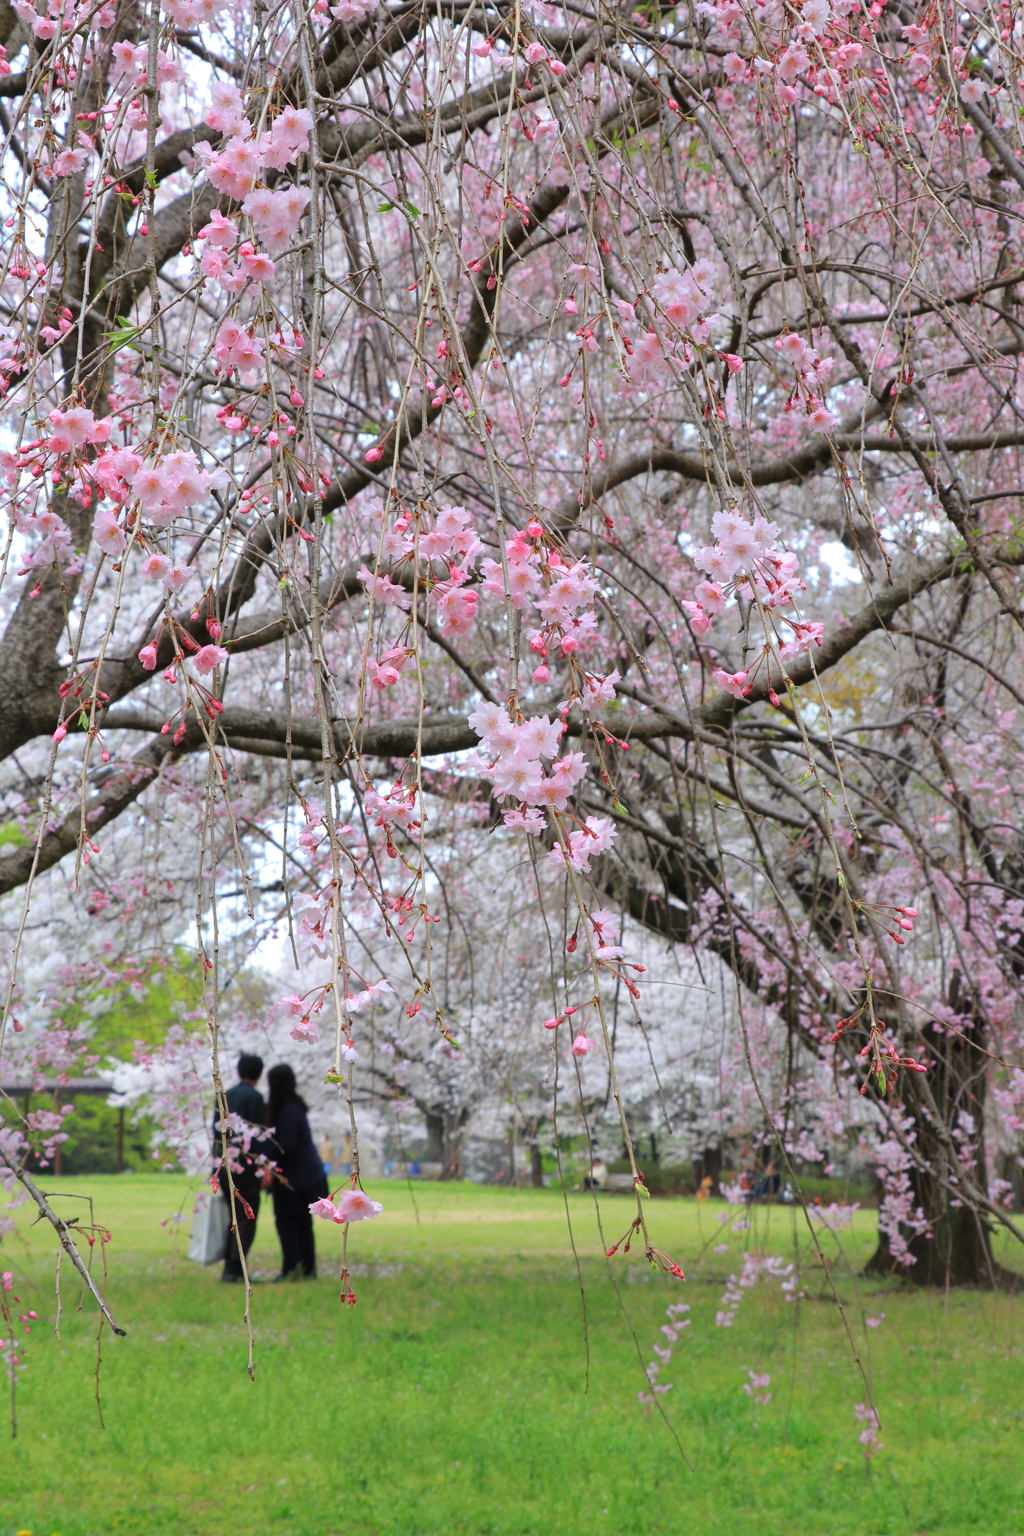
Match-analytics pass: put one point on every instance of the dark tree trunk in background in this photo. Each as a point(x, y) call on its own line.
point(444, 1138)
point(536, 1166)
point(1011, 1168)
point(708, 1167)
point(435, 1136)
point(957, 1248)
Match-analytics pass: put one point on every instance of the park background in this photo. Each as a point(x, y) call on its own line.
point(454, 1396)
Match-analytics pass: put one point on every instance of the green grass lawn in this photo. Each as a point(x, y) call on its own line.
point(453, 1398)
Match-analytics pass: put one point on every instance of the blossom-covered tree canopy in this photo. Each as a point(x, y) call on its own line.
point(502, 494)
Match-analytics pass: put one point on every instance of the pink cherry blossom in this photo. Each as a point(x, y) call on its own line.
point(305, 1031)
point(108, 533)
point(208, 657)
point(733, 682)
point(354, 1205)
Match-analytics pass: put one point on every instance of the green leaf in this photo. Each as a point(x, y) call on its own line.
point(384, 207)
point(152, 180)
point(124, 334)
point(881, 1081)
point(641, 1189)
point(416, 212)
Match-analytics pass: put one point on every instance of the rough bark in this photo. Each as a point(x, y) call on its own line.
point(957, 1248)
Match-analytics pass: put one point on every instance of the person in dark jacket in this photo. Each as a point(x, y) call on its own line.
point(300, 1179)
point(244, 1100)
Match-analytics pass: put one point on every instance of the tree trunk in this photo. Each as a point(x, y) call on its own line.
point(956, 1249)
point(708, 1167)
point(444, 1138)
point(435, 1135)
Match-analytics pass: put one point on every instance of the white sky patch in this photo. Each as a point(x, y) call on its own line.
point(837, 557)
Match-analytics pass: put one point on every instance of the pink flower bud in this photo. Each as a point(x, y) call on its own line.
point(60, 733)
point(147, 656)
point(213, 629)
point(535, 530)
point(581, 1045)
point(542, 674)
point(569, 645)
point(373, 454)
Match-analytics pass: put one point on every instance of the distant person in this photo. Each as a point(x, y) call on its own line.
point(597, 1178)
point(300, 1179)
point(246, 1101)
point(327, 1151)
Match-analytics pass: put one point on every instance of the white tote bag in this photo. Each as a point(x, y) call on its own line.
point(210, 1226)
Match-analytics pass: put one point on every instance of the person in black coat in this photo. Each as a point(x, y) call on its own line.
point(300, 1179)
point(244, 1100)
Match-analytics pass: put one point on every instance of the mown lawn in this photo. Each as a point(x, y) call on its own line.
point(453, 1398)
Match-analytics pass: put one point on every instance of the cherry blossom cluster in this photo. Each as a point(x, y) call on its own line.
point(49, 1132)
point(562, 592)
point(821, 49)
point(514, 755)
point(833, 1217)
point(303, 1011)
point(12, 1322)
point(755, 1267)
point(897, 1212)
point(352, 1205)
point(745, 561)
point(868, 1436)
point(235, 166)
point(757, 1384)
point(673, 1331)
point(395, 807)
point(237, 1136)
point(686, 302)
point(416, 544)
point(811, 374)
point(116, 480)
